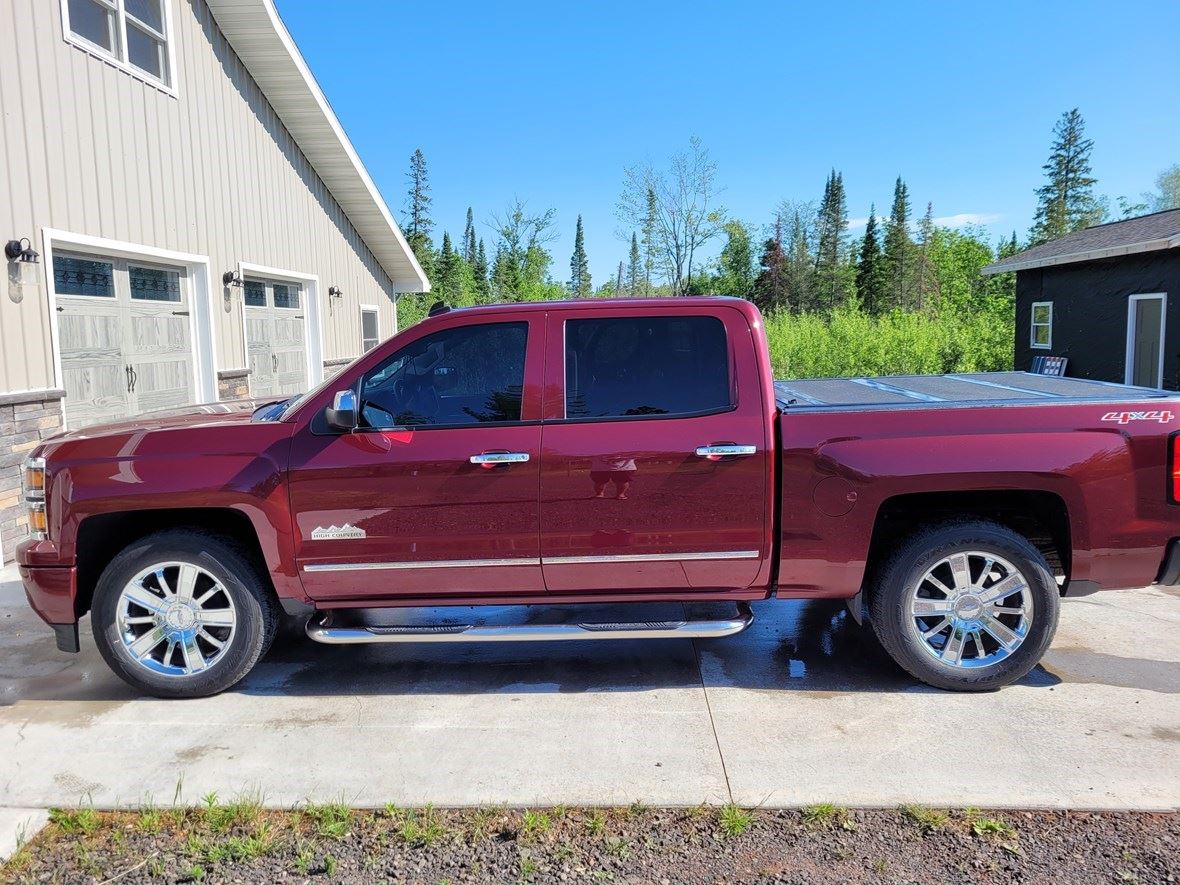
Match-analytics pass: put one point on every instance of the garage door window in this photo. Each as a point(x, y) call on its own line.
point(286, 297)
point(154, 284)
point(84, 277)
point(255, 293)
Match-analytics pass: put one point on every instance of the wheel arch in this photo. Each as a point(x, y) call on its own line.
point(1042, 517)
point(101, 537)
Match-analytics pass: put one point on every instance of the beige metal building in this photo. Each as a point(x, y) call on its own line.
point(203, 227)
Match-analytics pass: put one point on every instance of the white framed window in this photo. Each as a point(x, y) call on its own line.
point(370, 327)
point(135, 35)
point(1041, 329)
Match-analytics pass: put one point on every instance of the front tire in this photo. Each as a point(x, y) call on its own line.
point(970, 606)
point(182, 614)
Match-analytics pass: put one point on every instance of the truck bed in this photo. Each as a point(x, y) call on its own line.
point(965, 389)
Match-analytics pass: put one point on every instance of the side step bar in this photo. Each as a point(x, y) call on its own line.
point(321, 631)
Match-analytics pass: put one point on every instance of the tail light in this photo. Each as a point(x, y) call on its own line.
point(1174, 468)
point(33, 489)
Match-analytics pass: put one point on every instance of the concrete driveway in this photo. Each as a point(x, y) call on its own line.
point(802, 708)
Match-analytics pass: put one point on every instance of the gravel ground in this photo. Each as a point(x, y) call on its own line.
point(241, 842)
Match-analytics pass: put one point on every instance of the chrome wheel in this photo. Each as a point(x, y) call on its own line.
point(971, 609)
point(175, 619)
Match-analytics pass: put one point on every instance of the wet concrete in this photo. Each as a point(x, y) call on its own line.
point(803, 707)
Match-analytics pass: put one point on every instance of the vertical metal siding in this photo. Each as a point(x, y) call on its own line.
point(88, 148)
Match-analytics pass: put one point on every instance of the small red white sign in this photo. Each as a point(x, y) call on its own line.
point(1161, 416)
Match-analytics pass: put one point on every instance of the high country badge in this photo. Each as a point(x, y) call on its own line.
point(336, 532)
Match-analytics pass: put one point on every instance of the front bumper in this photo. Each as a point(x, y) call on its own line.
point(51, 593)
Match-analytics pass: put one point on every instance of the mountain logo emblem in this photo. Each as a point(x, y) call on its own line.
point(337, 532)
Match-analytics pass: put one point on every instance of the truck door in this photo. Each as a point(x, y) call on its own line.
point(654, 468)
point(435, 493)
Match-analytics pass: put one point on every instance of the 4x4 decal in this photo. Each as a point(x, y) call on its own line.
point(1162, 416)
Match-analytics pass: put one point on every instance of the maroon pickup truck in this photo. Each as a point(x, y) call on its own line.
point(602, 451)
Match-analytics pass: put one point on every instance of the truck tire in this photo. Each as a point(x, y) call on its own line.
point(183, 614)
point(969, 606)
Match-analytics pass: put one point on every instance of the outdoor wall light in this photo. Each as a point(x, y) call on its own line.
point(334, 292)
point(231, 278)
point(22, 268)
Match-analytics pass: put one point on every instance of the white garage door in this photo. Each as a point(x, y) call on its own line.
point(125, 337)
point(275, 340)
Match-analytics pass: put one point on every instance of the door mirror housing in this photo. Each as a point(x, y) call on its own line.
point(341, 415)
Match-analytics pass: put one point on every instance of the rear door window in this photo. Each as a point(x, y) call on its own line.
point(646, 366)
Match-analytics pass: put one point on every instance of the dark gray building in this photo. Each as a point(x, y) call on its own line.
point(1107, 298)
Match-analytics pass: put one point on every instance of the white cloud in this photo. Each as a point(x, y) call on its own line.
point(965, 218)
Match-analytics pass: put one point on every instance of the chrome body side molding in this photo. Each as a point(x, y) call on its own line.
point(521, 560)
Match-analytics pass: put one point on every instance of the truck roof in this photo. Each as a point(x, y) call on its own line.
point(968, 388)
point(656, 302)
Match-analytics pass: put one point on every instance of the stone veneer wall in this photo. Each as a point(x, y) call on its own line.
point(25, 420)
point(233, 384)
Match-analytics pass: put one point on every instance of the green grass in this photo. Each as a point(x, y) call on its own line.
point(331, 820)
point(989, 826)
point(926, 819)
point(534, 824)
point(245, 811)
point(82, 820)
point(596, 822)
point(423, 827)
point(734, 820)
point(827, 814)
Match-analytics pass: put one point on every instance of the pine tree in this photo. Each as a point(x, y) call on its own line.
point(925, 274)
point(634, 268)
point(770, 286)
point(1066, 202)
point(831, 245)
point(579, 284)
point(469, 248)
point(447, 270)
point(418, 222)
point(800, 269)
point(619, 282)
point(650, 239)
point(899, 248)
point(480, 268)
point(871, 276)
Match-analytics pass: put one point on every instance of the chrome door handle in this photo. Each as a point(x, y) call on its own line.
point(491, 459)
point(724, 451)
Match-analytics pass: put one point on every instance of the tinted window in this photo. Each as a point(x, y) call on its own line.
point(649, 365)
point(460, 376)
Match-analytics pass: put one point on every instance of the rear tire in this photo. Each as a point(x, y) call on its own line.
point(970, 606)
point(183, 614)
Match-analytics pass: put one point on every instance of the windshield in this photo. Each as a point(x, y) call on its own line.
point(291, 405)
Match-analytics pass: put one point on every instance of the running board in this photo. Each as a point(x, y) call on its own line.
point(321, 631)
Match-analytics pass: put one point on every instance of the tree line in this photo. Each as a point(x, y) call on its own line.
point(802, 262)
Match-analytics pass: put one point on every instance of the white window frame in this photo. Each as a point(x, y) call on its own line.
point(201, 330)
point(376, 311)
point(118, 58)
point(1129, 356)
point(312, 327)
point(1033, 325)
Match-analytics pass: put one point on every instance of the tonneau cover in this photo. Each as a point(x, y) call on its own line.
point(960, 389)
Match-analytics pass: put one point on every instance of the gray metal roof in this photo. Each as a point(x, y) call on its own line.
point(1147, 233)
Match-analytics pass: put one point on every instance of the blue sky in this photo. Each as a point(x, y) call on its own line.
point(549, 101)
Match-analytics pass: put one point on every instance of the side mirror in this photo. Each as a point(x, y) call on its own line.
point(341, 415)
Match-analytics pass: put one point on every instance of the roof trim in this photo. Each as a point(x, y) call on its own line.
point(1009, 266)
point(261, 40)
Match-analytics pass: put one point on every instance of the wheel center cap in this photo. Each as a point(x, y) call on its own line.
point(968, 607)
point(180, 617)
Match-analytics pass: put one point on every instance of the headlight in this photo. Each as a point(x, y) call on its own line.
point(33, 489)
